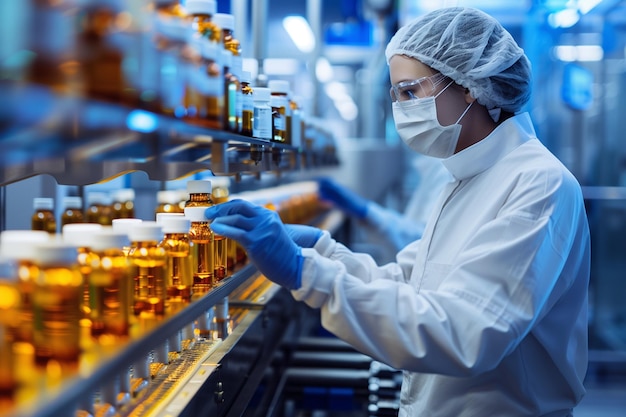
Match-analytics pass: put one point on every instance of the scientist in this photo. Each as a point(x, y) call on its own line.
point(487, 313)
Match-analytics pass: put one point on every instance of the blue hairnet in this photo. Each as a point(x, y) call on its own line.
point(474, 50)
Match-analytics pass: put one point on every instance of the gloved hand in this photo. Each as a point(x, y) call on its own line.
point(342, 197)
point(264, 237)
point(304, 236)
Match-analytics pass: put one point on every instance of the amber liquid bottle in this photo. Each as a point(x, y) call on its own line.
point(20, 246)
point(179, 247)
point(200, 233)
point(110, 284)
point(148, 264)
point(72, 211)
point(57, 300)
point(43, 216)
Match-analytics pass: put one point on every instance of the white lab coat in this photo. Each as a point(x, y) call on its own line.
point(487, 313)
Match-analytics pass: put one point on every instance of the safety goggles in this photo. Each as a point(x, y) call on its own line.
point(420, 88)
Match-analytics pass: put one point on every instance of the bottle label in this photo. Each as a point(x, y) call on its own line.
point(279, 121)
point(262, 125)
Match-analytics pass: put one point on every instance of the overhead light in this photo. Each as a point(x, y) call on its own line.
point(580, 53)
point(323, 70)
point(564, 19)
point(585, 6)
point(300, 32)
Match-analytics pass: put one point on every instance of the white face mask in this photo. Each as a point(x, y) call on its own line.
point(417, 125)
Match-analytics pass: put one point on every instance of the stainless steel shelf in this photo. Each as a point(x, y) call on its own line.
point(74, 391)
point(81, 142)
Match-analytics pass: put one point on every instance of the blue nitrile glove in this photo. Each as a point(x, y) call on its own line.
point(342, 197)
point(264, 237)
point(304, 236)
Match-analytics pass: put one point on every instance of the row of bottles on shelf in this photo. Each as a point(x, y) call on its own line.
point(65, 295)
point(175, 58)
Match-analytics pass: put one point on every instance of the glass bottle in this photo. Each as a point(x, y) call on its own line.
point(57, 299)
point(282, 121)
point(262, 119)
point(278, 128)
point(110, 284)
point(54, 62)
point(72, 210)
point(81, 236)
point(98, 208)
point(247, 103)
point(123, 206)
point(9, 312)
point(167, 202)
point(148, 264)
point(20, 246)
point(203, 31)
point(171, 33)
point(201, 235)
point(200, 13)
point(227, 23)
point(102, 60)
point(43, 216)
point(296, 124)
point(232, 87)
point(179, 249)
point(221, 195)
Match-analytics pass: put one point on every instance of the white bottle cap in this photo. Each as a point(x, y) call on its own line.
point(109, 239)
point(20, 244)
point(43, 203)
point(145, 231)
point(161, 216)
point(201, 7)
point(199, 187)
point(72, 202)
point(124, 224)
point(175, 224)
point(56, 252)
point(124, 194)
point(278, 86)
point(262, 94)
point(224, 20)
point(168, 197)
point(196, 214)
point(80, 234)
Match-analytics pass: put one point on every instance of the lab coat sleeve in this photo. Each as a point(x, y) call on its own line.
point(502, 283)
point(400, 230)
point(362, 265)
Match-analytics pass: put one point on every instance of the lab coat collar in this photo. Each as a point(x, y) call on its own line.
point(482, 155)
